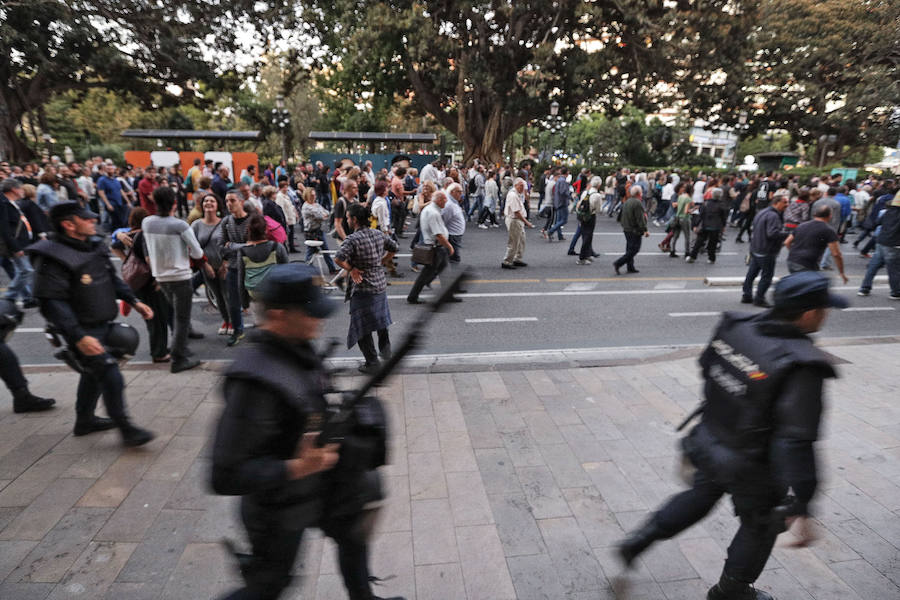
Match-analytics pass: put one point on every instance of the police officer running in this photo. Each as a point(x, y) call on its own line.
point(10, 371)
point(265, 444)
point(77, 286)
point(763, 388)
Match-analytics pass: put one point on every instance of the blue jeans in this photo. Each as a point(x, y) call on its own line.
point(875, 264)
point(477, 203)
point(764, 264)
point(562, 217)
point(20, 286)
point(892, 262)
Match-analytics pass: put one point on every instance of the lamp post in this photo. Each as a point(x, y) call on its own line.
point(554, 123)
point(281, 119)
point(741, 127)
point(825, 141)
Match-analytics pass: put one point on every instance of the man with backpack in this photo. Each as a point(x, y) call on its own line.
point(586, 213)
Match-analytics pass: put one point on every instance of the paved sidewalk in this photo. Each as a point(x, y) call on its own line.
point(504, 484)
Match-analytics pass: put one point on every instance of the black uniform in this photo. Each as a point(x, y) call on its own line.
point(274, 393)
point(763, 388)
point(77, 287)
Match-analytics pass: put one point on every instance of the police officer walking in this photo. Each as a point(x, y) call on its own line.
point(763, 388)
point(77, 286)
point(265, 444)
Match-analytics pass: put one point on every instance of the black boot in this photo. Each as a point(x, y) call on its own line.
point(24, 401)
point(91, 425)
point(132, 435)
point(730, 588)
point(638, 541)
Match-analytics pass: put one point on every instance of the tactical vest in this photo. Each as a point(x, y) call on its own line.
point(744, 367)
point(92, 293)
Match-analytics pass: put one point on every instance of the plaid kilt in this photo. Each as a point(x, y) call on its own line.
point(368, 313)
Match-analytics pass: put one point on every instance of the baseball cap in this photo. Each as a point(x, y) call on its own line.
point(806, 290)
point(64, 210)
point(296, 285)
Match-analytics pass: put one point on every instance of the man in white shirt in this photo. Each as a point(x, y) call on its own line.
point(699, 188)
point(516, 222)
point(434, 233)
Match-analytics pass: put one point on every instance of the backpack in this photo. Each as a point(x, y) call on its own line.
point(255, 272)
point(274, 231)
point(473, 186)
point(762, 192)
point(583, 210)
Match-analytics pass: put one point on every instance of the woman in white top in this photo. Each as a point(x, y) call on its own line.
point(491, 199)
point(283, 200)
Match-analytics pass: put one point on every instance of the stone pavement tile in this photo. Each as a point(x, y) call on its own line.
point(456, 452)
point(637, 471)
point(468, 500)
point(392, 556)
point(330, 587)
point(506, 415)
point(94, 571)
point(870, 546)
point(516, 526)
point(830, 548)
point(521, 393)
point(866, 580)
point(497, 471)
point(576, 565)
point(115, 484)
point(535, 577)
point(448, 416)
point(492, 385)
point(84, 444)
point(482, 429)
point(705, 556)
point(26, 591)
point(624, 587)
point(11, 554)
point(8, 514)
point(94, 462)
point(542, 428)
point(137, 512)
point(815, 577)
point(14, 462)
point(55, 554)
point(183, 403)
point(440, 388)
point(439, 582)
point(468, 389)
point(134, 591)
point(871, 483)
point(484, 568)
point(395, 515)
point(522, 449)
point(615, 571)
point(416, 398)
point(583, 443)
point(41, 516)
point(398, 463)
point(542, 494)
point(29, 485)
point(213, 562)
point(426, 476)
point(599, 424)
point(688, 589)
point(564, 465)
point(598, 524)
point(868, 511)
point(615, 488)
point(175, 459)
point(781, 584)
point(421, 435)
point(664, 560)
point(156, 556)
point(193, 492)
point(541, 383)
point(562, 411)
point(433, 535)
point(220, 520)
point(201, 421)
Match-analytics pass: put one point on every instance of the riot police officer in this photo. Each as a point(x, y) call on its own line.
point(77, 286)
point(763, 381)
point(265, 444)
point(10, 372)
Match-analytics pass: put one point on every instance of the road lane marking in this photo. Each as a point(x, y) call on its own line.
point(867, 308)
point(501, 319)
point(694, 314)
point(621, 279)
point(581, 286)
point(665, 254)
point(670, 285)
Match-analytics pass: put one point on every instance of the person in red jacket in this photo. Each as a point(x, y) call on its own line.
point(145, 191)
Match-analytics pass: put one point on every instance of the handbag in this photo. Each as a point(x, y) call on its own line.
point(135, 272)
point(423, 254)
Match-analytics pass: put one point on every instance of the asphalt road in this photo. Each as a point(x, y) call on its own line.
point(554, 303)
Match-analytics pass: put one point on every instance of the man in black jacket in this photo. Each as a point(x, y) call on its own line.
point(889, 245)
point(15, 235)
point(713, 214)
point(766, 239)
point(265, 444)
point(764, 380)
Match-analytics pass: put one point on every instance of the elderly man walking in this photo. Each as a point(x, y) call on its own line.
point(434, 236)
point(516, 222)
point(634, 226)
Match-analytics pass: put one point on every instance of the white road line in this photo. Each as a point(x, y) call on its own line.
point(694, 314)
point(867, 308)
point(501, 319)
point(30, 330)
point(666, 254)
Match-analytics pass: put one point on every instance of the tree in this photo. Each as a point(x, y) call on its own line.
point(485, 68)
point(149, 49)
point(824, 67)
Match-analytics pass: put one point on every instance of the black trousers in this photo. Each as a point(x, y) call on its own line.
point(158, 326)
point(10, 372)
point(632, 247)
point(367, 346)
point(587, 237)
point(710, 238)
point(429, 272)
point(398, 217)
point(753, 503)
point(101, 376)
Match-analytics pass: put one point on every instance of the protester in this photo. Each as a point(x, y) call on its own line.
point(516, 222)
point(234, 236)
point(810, 240)
point(434, 239)
point(765, 244)
point(634, 226)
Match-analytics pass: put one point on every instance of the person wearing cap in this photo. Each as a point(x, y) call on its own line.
point(76, 286)
point(265, 446)
point(763, 390)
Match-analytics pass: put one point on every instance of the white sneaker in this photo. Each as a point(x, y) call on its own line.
point(482, 226)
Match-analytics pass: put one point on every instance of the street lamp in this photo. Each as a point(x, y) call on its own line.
point(554, 123)
point(281, 119)
point(741, 127)
point(825, 141)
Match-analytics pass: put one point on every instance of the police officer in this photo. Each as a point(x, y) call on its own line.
point(265, 448)
point(10, 372)
point(77, 286)
point(763, 388)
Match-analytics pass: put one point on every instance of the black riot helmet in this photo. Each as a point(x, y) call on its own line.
point(10, 317)
point(122, 341)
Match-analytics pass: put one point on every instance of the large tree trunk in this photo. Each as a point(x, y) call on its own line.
point(12, 148)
